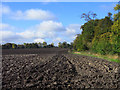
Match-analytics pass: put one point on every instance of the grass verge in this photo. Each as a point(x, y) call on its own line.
point(113, 58)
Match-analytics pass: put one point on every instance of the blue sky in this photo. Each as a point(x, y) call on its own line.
point(50, 22)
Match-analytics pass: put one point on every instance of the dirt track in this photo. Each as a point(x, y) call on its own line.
point(64, 71)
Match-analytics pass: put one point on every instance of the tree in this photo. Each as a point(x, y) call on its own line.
point(4, 47)
point(117, 7)
point(97, 35)
point(20, 46)
point(14, 46)
point(8, 45)
point(25, 45)
point(34, 45)
point(115, 36)
point(44, 44)
point(78, 44)
point(51, 45)
point(89, 16)
point(60, 45)
point(64, 45)
point(110, 15)
point(117, 16)
point(39, 44)
point(88, 30)
point(71, 45)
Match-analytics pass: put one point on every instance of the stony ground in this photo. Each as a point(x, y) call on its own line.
point(58, 70)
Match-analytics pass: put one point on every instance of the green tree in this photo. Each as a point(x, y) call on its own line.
point(117, 16)
point(20, 46)
point(64, 45)
point(34, 45)
point(71, 45)
point(96, 35)
point(78, 44)
point(14, 46)
point(60, 45)
point(89, 16)
point(25, 45)
point(115, 36)
point(52, 44)
point(8, 45)
point(39, 44)
point(117, 7)
point(110, 15)
point(44, 44)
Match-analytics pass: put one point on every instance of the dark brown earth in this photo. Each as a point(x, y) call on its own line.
point(35, 51)
point(57, 70)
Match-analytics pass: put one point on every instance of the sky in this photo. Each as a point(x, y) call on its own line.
point(28, 22)
point(60, 0)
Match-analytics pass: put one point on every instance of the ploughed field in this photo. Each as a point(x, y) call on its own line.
point(55, 68)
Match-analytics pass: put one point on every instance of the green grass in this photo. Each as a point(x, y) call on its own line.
point(98, 56)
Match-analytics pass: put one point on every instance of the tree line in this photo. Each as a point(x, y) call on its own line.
point(36, 45)
point(100, 35)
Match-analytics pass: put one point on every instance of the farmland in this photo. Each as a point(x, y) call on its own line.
point(55, 68)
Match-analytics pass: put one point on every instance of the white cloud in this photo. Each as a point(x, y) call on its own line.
point(8, 36)
point(7, 33)
point(27, 34)
point(58, 39)
point(29, 14)
point(34, 14)
point(50, 26)
point(49, 31)
point(3, 26)
point(69, 34)
point(5, 9)
point(39, 34)
point(39, 40)
point(6, 27)
point(70, 31)
point(18, 15)
point(46, 29)
point(73, 29)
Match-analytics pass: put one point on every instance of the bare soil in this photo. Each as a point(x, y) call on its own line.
point(58, 70)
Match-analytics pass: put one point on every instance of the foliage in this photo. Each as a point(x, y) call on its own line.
point(27, 45)
point(36, 45)
point(44, 44)
point(89, 16)
point(117, 7)
point(79, 44)
point(100, 36)
point(65, 45)
point(117, 16)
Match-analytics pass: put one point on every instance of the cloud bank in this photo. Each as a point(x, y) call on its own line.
point(48, 30)
point(34, 14)
point(29, 14)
